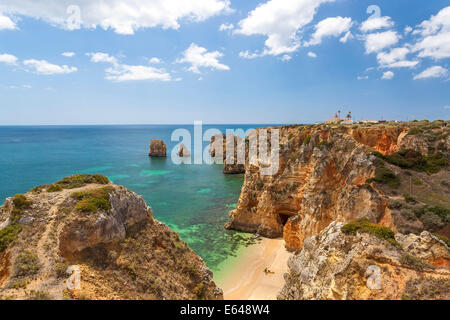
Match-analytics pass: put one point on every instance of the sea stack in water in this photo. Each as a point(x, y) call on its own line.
point(183, 151)
point(219, 144)
point(157, 148)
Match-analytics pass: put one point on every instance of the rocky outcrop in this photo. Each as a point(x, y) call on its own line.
point(106, 232)
point(219, 144)
point(157, 148)
point(88, 231)
point(183, 151)
point(334, 265)
point(325, 175)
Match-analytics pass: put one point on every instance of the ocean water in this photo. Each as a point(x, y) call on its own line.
point(194, 200)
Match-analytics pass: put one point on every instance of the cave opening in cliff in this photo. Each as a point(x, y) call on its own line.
point(284, 218)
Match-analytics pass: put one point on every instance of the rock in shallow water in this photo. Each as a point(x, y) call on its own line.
point(157, 148)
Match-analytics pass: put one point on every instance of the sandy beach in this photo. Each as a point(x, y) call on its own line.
point(247, 281)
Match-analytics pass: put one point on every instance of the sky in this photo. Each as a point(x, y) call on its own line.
point(65, 62)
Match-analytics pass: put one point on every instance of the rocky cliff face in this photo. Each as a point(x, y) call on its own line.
point(105, 231)
point(335, 265)
point(219, 144)
point(336, 173)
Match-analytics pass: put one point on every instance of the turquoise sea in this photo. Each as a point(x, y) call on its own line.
point(193, 200)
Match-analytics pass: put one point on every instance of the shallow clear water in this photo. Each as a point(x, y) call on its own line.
point(193, 200)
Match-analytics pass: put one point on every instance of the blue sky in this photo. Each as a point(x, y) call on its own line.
point(276, 61)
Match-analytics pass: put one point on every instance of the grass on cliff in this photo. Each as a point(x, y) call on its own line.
point(21, 202)
point(443, 238)
point(8, 235)
point(80, 180)
point(72, 182)
point(385, 176)
point(365, 226)
point(426, 289)
point(410, 159)
point(26, 264)
point(413, 262)
point(93, 200)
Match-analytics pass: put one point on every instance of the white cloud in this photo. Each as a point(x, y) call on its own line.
point(447, 107)
point(8, 58)
point(346, 37)
point(378, 41)
point(155, 60)
point(286, 57)
point(97, 57)
point(435, 36)
point(68, 54)
point(247, 55)
point(226, 26)
point(46, 68)
point(372, 24)
point(312, 54)
point(363, 77)
point(330, 27)
point(408, 30)
point(123, 16)
point(396, 58)
point(388, 75)
point(432, 72)
point(123, 72)
point(280, 21)
point(27, 86)
point(6, 23)
point(199, 57)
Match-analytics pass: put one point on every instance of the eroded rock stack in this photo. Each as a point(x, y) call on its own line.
point(157, 148)
point(219, 144)
point(183, 151)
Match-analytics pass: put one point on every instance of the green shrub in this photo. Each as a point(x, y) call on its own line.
point(21, 202)
point(8, 235)
point(307, 139)
point(442, 212)
point(364, 225)
point(80, 180)
point(413, 262)
point(93, 200)
point(417, 182)
point(396, 205)
point(409, 198)
point(432, 221)
point(408, 215)
point(39, 295)
point(26, 264)
point(385, 176)
point(443, 238)
point(410, 159)
point(61, 270)
point(414, 131)
point(54, 188)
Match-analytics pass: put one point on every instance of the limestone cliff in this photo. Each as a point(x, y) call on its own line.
point(342, 173)
point(105, 231)
point(347, 265)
